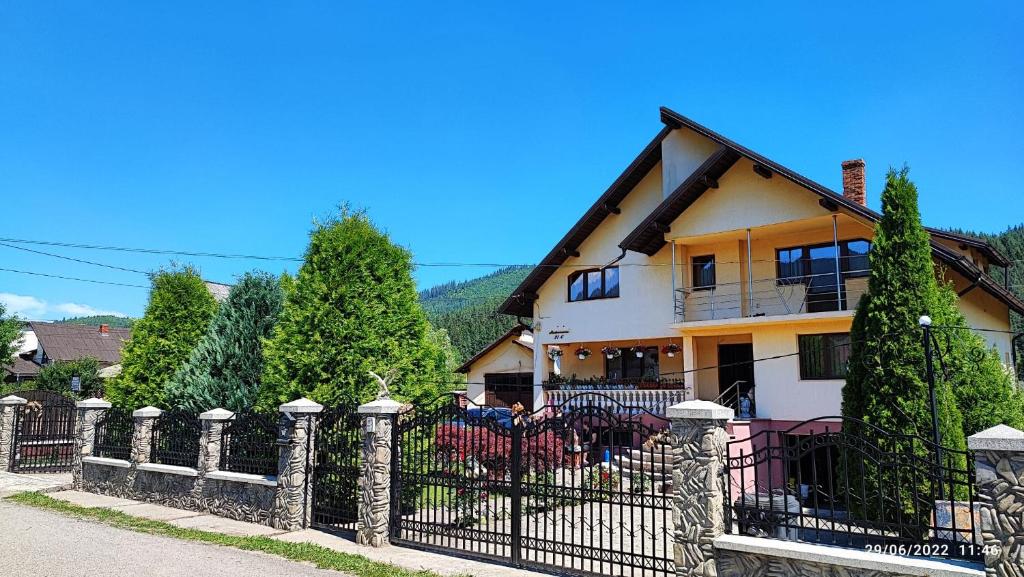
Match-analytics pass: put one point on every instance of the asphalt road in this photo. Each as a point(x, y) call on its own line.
point(36, 543)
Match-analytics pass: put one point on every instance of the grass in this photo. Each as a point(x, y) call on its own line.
point(321, 557)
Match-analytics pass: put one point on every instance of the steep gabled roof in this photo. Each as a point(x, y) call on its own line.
point(520, 302)
point(648, 237)
point(69, 342)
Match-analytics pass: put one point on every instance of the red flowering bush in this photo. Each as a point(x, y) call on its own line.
point(455, 444)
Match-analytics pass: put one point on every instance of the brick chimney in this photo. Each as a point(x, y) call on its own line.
point(853, 181)
point(104, 329)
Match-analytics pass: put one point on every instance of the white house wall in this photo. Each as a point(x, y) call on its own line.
point(643, 308)
point(508, 357)
point(682, 152)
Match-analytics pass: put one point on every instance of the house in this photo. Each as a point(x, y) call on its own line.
point(505, 370)
point(703, 256)
point(69, 342)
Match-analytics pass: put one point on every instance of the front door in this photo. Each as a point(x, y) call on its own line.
point(735, 363)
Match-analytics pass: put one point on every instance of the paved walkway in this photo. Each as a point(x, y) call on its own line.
point(38, 543)
point(11, 483)
point(412, 559)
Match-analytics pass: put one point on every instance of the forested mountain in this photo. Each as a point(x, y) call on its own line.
point(468, 309)
point(1011, 243)
point(98, 320)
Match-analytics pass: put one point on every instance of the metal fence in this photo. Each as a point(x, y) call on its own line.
point(176, 439)
point(841, 481)
point(114, 432)
point(249, 444)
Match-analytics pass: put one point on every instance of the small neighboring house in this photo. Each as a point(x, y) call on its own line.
point(703, 256)
point(506, 366)
point(68, 342)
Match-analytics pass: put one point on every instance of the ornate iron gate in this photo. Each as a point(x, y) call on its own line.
point(44, 433)
point(336, 469)
point(584, 487)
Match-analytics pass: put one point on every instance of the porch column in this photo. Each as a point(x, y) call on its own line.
point(378, 419)
point(698, 505)
point(689, 364)
point(538, 368)
point(8, 407)
point(999, 475)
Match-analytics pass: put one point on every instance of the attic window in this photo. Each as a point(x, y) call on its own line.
point(594, 284)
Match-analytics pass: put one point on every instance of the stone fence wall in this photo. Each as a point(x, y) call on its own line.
point(698, 437)
point(276, 500)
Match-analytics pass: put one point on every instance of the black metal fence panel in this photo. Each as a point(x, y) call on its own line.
point(175, 441)
point(44, 433)
point(840, 481)
point(249, 444)
point(114, 430)
point(337, 469)
point(582, 488)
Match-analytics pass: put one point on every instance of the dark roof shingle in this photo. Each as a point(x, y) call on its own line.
point(69, 342)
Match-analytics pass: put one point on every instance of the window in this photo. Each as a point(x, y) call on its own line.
point(791, 265)
point(594, 284)
point(629, 366)
point(806, 263)
point(704, 272)
point(824, 356)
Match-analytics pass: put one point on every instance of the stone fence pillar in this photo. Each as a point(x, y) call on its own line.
point(209, 443)
point(999, 475)
point(142, 435)
point(8, 408)
point(292, 507)
point(89, 412)
point(698, 506)
point(378, 419)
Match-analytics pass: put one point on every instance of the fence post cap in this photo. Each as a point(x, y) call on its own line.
point(997, 438)
point(379, 407)
point(12, 400)
point(147, 412)
point(217, 414)
point(700, 410)
point(93, 403)
point(301, 406)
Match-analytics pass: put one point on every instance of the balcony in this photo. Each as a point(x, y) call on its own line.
point(764, 297)
point(620, 396)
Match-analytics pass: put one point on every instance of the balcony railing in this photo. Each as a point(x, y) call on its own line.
point(629, 401)
point(770, 297)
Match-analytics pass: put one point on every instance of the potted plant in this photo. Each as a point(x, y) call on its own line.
point(611, 352)
point(582, 353)
point(554, 352)
point(670, 349)
point(638, 351)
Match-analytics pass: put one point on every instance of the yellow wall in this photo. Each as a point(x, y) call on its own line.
point(983, 311)
point(508, 357)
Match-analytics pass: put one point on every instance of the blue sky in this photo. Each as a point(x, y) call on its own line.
point(471, 133)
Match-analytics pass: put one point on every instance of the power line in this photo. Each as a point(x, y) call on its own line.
point(73, 278)
point(74, 259)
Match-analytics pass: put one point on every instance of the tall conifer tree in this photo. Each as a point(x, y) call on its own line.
point(179, 310)
point(352, 308)
point(225, 368)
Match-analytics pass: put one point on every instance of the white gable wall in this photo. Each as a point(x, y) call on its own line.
point(644, 306)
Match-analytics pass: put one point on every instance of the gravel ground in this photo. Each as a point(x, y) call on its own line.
point(39, 543)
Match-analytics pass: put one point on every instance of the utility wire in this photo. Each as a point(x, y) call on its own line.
point(75, 259)
point(74, 278)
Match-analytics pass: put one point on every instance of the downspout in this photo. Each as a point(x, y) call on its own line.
point(750, 280)
point(616, 259)
point(970, 287)
point(674, 280)
point(839, 278)
point(1013, 352)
